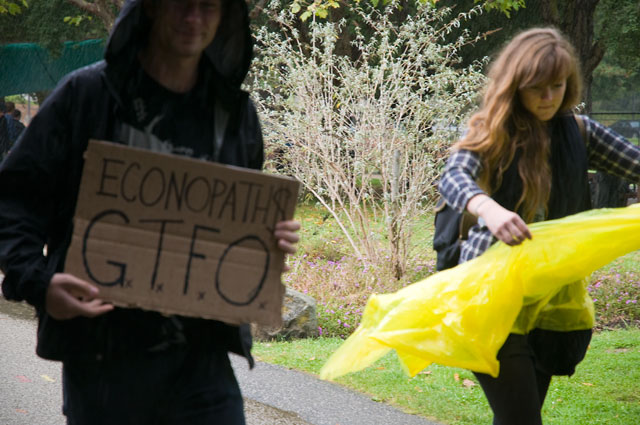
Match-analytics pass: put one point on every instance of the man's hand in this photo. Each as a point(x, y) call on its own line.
point(504, 224)
point(286, 232)
point(69, 297)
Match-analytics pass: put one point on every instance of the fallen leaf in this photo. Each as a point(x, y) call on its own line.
point(381, 368)
point(588, 384)
point(425, 372)
point(23, 378)
point(47, 378)
point(21, 411)
point(312, 358)
point(456, 377)
point(468, 383)
point(418, 389)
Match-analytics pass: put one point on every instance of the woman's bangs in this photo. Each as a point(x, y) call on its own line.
point(548, 66)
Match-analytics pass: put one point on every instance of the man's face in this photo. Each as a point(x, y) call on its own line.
point(184, 28)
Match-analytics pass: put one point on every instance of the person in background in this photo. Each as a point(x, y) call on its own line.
point(17, 115)
point(169, 82)
point(525, 159)
point(14, 126)
point(10, 107)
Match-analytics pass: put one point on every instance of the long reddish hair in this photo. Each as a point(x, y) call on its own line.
point(535, 56)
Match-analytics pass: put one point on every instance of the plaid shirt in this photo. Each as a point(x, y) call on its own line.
point(606, 151)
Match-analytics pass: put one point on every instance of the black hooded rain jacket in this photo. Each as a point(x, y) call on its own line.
point(39, 181)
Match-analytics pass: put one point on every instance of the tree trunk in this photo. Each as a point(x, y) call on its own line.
point(575, 18)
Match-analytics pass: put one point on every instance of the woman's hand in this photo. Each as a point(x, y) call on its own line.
point(286, 232)
point(504, 224)
point(68, 297)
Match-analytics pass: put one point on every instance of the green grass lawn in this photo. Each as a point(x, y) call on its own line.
point(604, 390)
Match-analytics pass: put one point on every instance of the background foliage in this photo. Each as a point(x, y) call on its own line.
point(366, 132)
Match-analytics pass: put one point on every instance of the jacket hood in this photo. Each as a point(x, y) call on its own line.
point(229, 53)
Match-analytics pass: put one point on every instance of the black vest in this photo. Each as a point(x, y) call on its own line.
point(569, 167)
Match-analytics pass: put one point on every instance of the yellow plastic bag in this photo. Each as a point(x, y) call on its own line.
point(461, 316)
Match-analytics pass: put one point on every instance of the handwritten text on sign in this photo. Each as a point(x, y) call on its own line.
point(180, 236)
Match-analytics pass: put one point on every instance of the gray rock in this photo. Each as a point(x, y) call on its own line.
point(299, 319)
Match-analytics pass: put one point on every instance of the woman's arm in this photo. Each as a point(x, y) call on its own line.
point(609, 152)
point(459, 189)
point(504, 224)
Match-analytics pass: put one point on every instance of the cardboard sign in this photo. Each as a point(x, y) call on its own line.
point(180, 236)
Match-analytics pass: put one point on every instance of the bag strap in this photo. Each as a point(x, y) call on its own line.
point(467, 220)
point(581, 127)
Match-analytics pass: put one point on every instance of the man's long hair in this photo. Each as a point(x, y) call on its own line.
point(536, 56)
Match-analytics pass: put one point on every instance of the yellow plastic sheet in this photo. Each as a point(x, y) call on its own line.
point(461, 316)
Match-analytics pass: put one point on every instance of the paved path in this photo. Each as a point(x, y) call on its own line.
point(30, 388)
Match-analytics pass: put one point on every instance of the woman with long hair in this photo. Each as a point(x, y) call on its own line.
point(525, 158)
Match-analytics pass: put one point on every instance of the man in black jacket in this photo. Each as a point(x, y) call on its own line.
point(170, 82)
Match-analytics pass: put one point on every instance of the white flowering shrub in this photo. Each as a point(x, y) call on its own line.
point(367, 137)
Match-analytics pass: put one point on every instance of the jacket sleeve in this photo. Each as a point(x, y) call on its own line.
point(457, 185)
point(612, 153)
point(30, 179)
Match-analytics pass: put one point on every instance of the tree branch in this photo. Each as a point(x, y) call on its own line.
point(91, 8)
point(550, 13)
point(255, 12)
point(103, 9)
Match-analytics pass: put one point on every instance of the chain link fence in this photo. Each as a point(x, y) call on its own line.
point(611, 191)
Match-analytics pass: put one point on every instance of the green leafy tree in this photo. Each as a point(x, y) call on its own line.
point(322, 8)
point(618, 26)
point(576, 18)
point(617, 78)
point(504, 6)
point(12, 7)
point(44, 23)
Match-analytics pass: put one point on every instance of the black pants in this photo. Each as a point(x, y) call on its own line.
point(527, 363)
point(517, 394)
point(181, 385)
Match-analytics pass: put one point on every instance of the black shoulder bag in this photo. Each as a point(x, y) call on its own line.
point(451, 228)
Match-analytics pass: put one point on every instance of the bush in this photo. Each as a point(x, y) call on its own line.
point(342, 287)
point(615, 295)
point(365, 132)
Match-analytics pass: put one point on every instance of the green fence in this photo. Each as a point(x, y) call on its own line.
point(28, 67)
